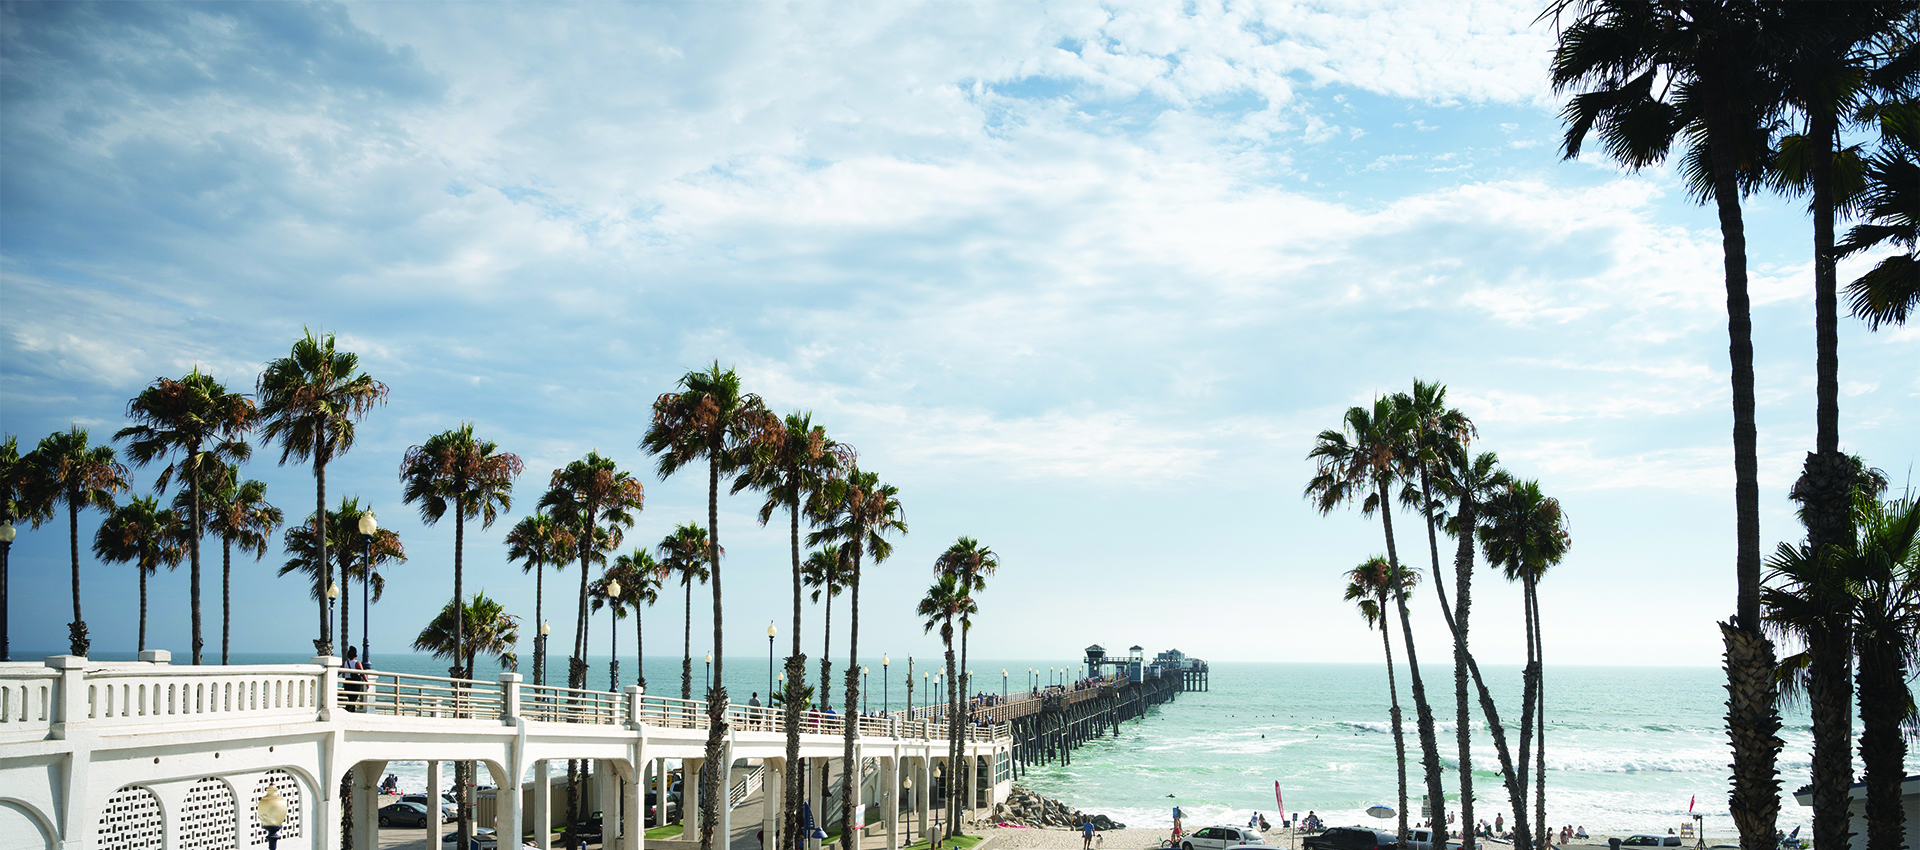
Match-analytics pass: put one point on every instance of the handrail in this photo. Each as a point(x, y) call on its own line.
point(748, 784)
point(559, 704)
point(419, 695)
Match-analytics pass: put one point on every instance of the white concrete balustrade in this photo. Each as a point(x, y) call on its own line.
point(151, 756)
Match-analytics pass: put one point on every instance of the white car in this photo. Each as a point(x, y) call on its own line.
point(1221, 837)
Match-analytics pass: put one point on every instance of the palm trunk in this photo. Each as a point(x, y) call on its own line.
point(1883, 749)
point(1530, 678)
point(796, 671)
point(323, 568)
point(142, 570)
point(613, 646)
point(826, 651)
point(686, 643)
point(346, 608)
point(577, 675)
point(193, 546)
point(77, 642)
point(1539, 716)
point(1393, 716)
point(964, 710)
point(539, 618)
point(851, 774)
point(715, 794)
point(1423, 712)
point(953, 740)
point(639, 649)
point(1753, 721)
point(226, 598)
point(465, 826)
point(1830, 698)
point(1457, 627)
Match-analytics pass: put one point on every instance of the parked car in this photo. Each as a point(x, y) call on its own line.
point(1221, 837)
point(1420, 839)
point(483, 839)
point(405, 814)
point(1651, 841)
point(588, 828)
point(673, 807)
point(447, 810)
point(1349, 838)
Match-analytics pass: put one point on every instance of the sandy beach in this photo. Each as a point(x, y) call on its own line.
point(1143, 839)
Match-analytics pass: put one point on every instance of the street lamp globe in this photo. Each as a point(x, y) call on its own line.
point(613, 589)
point(333, 590)
point(709, 658)
point(546, 628)
point(771, 631)
point(6, 532)
point(368, 525)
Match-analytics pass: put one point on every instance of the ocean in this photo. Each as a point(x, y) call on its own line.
point(1627, 747)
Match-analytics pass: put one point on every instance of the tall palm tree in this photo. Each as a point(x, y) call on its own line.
point(601, 591)
point(710, 418)
point(792, 467)
point(538, 542)
point(454, 470)
point(1368, 586)
point(639, 576)
point(859, 513)
point(596, 501)
point(970, 563)
point(146, 535)
point(683, 555)
point(65, 470)
point(484, 628)
point(1525, 533)
point(1438, 430)
point(1363, 463)
point(1886, 639)
point(1718, 89)
point(239, 513)
point(1809, 598)
point(945, 602)
point(310, 401)
point(303, 555)
point(826, 575)
point(196, 420)
point(1890, 291)
point(16, 477)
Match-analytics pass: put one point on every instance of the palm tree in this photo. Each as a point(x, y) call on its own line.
point(65, 470)
point(710, 418)
point(485, 628)
point(16, 476)
point(1525, 533)
point(310, 401)
point(945, 601)
point(595, 501)
point(858, 513)
point(141, 533)
point(600, 589)
point(1889, 292)
point(239, 513)
point(824, 573)
point(303, 555)
point(1368, 586)
point(1363, 463)
point(1709, 58)
point(639, 576)
point(196, 419)
point(475, 478)
point(792, 466)
point(1438, 430)
point(970, 563)
point(683, 555)
point(538, 542)
point(1886, 639)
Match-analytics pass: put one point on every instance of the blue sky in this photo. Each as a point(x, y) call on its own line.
point(1082, 280)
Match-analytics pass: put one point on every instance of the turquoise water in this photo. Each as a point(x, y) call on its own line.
point(1626, 749)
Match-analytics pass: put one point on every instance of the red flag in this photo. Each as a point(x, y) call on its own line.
point(1690, 803)
point(1282, 804)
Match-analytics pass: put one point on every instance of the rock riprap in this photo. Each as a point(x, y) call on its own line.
point(1025, 808)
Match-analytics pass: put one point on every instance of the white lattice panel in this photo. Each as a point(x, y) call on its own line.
point(290, 790)
point(209, 819)
point(132, 820)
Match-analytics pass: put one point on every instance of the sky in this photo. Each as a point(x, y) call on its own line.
point(1082, 280)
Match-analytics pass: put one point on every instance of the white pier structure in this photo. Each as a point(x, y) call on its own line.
point(137, 755)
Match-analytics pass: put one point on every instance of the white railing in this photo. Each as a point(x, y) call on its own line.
point(673, 713)
point(26, 700)
point(571, 705)
point(413, 695)
point(747, 785)
point(155, 693)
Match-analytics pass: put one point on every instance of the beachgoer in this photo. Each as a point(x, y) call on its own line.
point(1580, 832)
point(356, 681)
point(1499, 824)
point(1263, 823)
point(1086, 834)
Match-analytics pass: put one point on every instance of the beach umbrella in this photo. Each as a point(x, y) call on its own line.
point(1380, 810)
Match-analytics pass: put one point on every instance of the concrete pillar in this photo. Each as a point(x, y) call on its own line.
point(816, 789)
point(633, 812)
point(542, 806)
point(725, 840)
point(509, 818)
point(690, 795)
point(859, 807)
point(366, 803)
point(770, 788)
point(433, 787)
point(923, 790)
point(890, 797)
point(660, 787)
point(606, 798)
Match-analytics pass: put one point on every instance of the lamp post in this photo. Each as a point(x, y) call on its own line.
point(272, 811)
point(771, 631)
point(540, 654)
point(1003, 684)
point(333, 595)
point(886, 691)
point(369, 526)
point(613, 630)
point(863, 690)
point(6, 545)
point(709, 675)
point(908, 785)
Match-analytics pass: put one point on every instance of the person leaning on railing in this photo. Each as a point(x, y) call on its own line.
point(356, 679)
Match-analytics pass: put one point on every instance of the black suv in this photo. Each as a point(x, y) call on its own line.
point(1349, 838)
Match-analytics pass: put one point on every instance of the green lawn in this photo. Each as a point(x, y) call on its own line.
point(671, 830)
point(965, 842)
